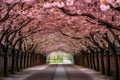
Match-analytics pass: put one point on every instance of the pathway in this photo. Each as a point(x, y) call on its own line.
point(57, 72)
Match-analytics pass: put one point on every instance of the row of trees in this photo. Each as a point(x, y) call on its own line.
point(95, 53)
point(15, 35)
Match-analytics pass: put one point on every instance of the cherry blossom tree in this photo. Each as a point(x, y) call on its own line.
point(77, 26)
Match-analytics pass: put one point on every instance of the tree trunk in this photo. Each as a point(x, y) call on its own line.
point(97, 58)
point(24, 60)
point(83, 60)
point(115, 61)
point(102, 61)
point(44, 60)
point(31, 60)
point(21, 60)
point(35, 59)
point(91, 66)
point(108, 62)
point(88, 62)
point(28, 59)
point(41, 59)
point(13, 62)
point(17, 60)
point(93, 59)
point(5, 63)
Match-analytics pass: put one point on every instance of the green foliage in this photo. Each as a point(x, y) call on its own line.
point(56, 59)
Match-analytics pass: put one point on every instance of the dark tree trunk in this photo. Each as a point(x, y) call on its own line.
point(17, 60)
point(83, 60)
point(97, 58)
point(108, 62)
point(21, 61)
point(5, 63)
point(24, 60)
point(115, 61)
point(113, 50)
point(35, 60)
point(93, 59)
point(31, 60)
point(88, 62)
point(91, 66)
point(28, 59)
point(79, 59)
point(13, 62)
point(44, 60)
point(76, 59)
point(102, 61)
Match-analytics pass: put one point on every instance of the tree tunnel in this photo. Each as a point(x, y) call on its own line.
point(81, 32)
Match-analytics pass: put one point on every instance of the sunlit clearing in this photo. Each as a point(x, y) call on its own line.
point(59, 57)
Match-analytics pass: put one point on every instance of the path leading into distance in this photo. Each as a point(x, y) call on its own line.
point(57, 72)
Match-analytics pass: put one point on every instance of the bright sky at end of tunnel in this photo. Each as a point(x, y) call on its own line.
point(59, 57)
